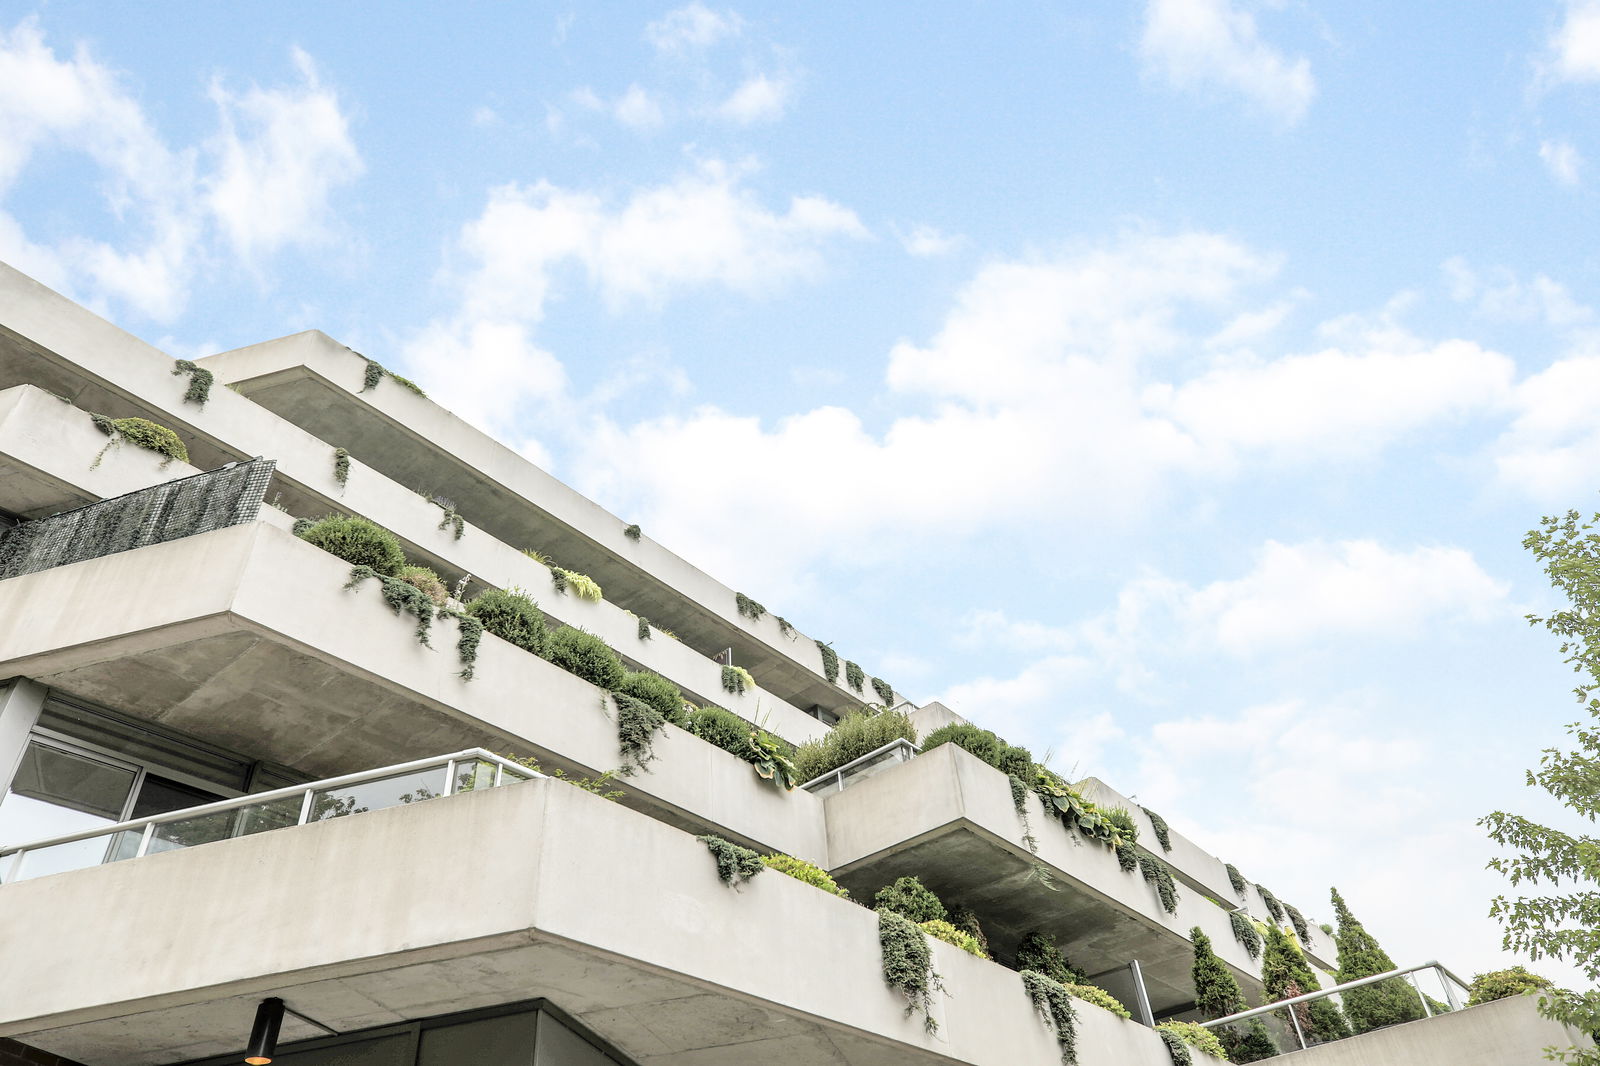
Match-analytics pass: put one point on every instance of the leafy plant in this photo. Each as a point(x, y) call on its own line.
point(1503, 984)
point(884, 690)
point(908, 964)
point(857, 734)
point(200, 380)
point(771, 761)
point(599, 786)
point(1285, 974)
point(735, 865)
point(1245, 932)
point(580, 652)
point(142, 433)
point(581, 585)
point(942, 930)
point(1371, 1006)
point(1159, 874)
point(1121, 819)
point(801, 870)
point(855, 676)
point(637, 725)
point(748, 608)
point(1072, 809)
point(1236, 879)
point(512, 616)
point(401, 597)
point(632, 532)
point(356, 541)
point(736, 679)
point(1100, 998)
point(1038, 953)
point(1194, 1035)
point(830, 662)
point(655, 690)
point(341, 465)
point(1054, 1004)
point(1159, 824)
point(541, 558)
point(910, 899)
point(427, 582)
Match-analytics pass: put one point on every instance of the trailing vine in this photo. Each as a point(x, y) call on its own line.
point(1159, 824)
point(637, 725)
point(633, 532)
point(1159, 874)
point(1176, 1048)
point(1274, 908)
point(644, 627)
point(830, 662)
point(200, 379)
point(884, 690)
point(374, 374)
point(140, 431)
point(341, 465)
point(1187, 1035)
point(748, 608)
point(1127, 856)
point(402, 597)
point(451, 519)
point(1054, 1004)
point(1236, 879)
point(467, 643)
point(1244, 931)
point(855, 676)
point(582, 585)
point(735, 865)
point(908, 964)
point(1019, 801)
point(736, 679)
point(784, 627)
point(558, 578)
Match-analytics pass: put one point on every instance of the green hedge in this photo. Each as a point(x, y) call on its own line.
point(856, 735)
point(356, 541)
point(511, 616)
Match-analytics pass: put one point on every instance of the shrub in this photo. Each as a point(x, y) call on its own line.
point(655, 690)
point(731, 733)
point(1371, 1006)
point(511, 616)
point(144, 433)
point(1121, 819)
point(941, 930)
point(1285, 974)
point(1196, 1036)
point(963, 918)
point(801, 870)
point(358, 542)
point(1039, 954)
point(1502, 984)
point(737, 680)
point(735, 864)
point(580, 652)
point(1159, 824)
point(427, 582)
point(856, 735)
point(1217, 995)
point(1006, 758)
point(1100, 998)
point(910, 899)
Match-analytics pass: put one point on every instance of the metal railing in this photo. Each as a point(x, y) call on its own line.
point(896, 751)
point(260, 812)
point(1446, 979)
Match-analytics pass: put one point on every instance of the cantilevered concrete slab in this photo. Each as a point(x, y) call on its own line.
point(1505, 1032)
point(534, 890)
point(245, 638)
point(947, 818)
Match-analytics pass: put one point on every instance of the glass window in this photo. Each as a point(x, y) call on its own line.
point(57, 791)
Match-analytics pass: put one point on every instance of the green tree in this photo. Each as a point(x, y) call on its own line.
point(1371, 1006)
point(1286, 974)
point(1564, 923)
point(1217, 995)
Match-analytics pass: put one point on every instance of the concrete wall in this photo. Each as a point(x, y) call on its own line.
point(1506, 1032)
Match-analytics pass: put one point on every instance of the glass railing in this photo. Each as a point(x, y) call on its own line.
point(262, 812)
point(873, 762)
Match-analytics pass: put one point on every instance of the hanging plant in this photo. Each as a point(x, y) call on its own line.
point(467, 643)
point(141, 432)
point(633, 532)
point(1019, 802)
point(1053, 1003)
point(1245, 932)
point(1236, 879)
point(1127, 856)
point(341, 465)
point(1187, 1035)
point(451, 519)
point(637, 725)
point(200, 379)
point(373, 375)
point(854, 676)
point(884, 690)
point(748, 608)
point(908, 964)
point(644, 627)
point(736, 679)
point(735, 865)
point(770, 761)
point(830, 662)
point(1159, 874)
point(1274, 908)
point(1177, 1050)
point(1302, 928)
point(582, 585)
point(1159, 824)
point(784, 627)
point(403, 597)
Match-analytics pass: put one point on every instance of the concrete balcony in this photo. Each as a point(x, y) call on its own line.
point(48, 341)
point(535, 890)
point(245, 637)
point(947, 818)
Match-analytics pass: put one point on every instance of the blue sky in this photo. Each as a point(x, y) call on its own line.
point(1165, 385)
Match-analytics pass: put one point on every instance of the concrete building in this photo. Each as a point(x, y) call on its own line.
point(232, 777)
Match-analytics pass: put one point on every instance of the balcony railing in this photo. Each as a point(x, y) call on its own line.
point(837, 780)
point(261, 812)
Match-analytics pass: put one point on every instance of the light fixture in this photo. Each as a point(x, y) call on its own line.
point(264, 1033)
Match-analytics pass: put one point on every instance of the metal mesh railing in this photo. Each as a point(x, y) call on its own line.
point(199, 503)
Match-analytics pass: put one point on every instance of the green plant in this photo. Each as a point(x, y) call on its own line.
point(1372, 1006)
point(539, 557)
point(855, 676)
point(200, 379)
point(511, 616)
point(966, 920)
point(830, 662)
point(1127, 856)
point(451, 520)
point(857, 734)
point(1285, 974)
point(1072, 809)
point(1274, 907)
point(341, 465)
point(580, 652)
point(770, 757)
point(1194, 1035)
point(1100, 998)
point(600, 786)
point(1007, 758)
point(735, 865)
point(909, 898)
point(736, 679)
point(1054, 1004)
point(373, 375)
point(632, 532)
point(1019, 803)
point(942, 930)
point(1177, 1050)
point(1236, 879)
point(784, 627)
point(1159, 874)
point(637, 725)
point(1217, 995)
point(1121, 819)
point(884, 690)
point(1502, 984)
point(582, 585)
point(1298, 920)
point(721, 728)
point(908, 964)
point(1159, 824)
point(801, 870)
point(1038, 953)
point(644, 627)
point(1246, 933)
point(140, 432)
point(401, 597)
point(356, 541)
point(747, 607)
point(655, 690)
point(470, 635)
point(426, 581)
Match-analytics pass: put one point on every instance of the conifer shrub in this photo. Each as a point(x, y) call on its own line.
point(1372, 1006)
point(580, 652)
point(1038, 953)
point(801, 870)
point(857, 734)
point(1217, 995)
point(511, 616)
point(655, 690)
point(356, 541)
point(427, 582)
point(1285, 974)
point(911, 899)
point(1503, 984)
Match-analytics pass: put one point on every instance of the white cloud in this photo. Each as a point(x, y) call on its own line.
point(1215, 44)
point(1551, 451)
point(926, 242)
point(1562, 160)
point(1501, 296)
point(1575, 44)
point(637, 109)
point(757, 99)
point(691, 28)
